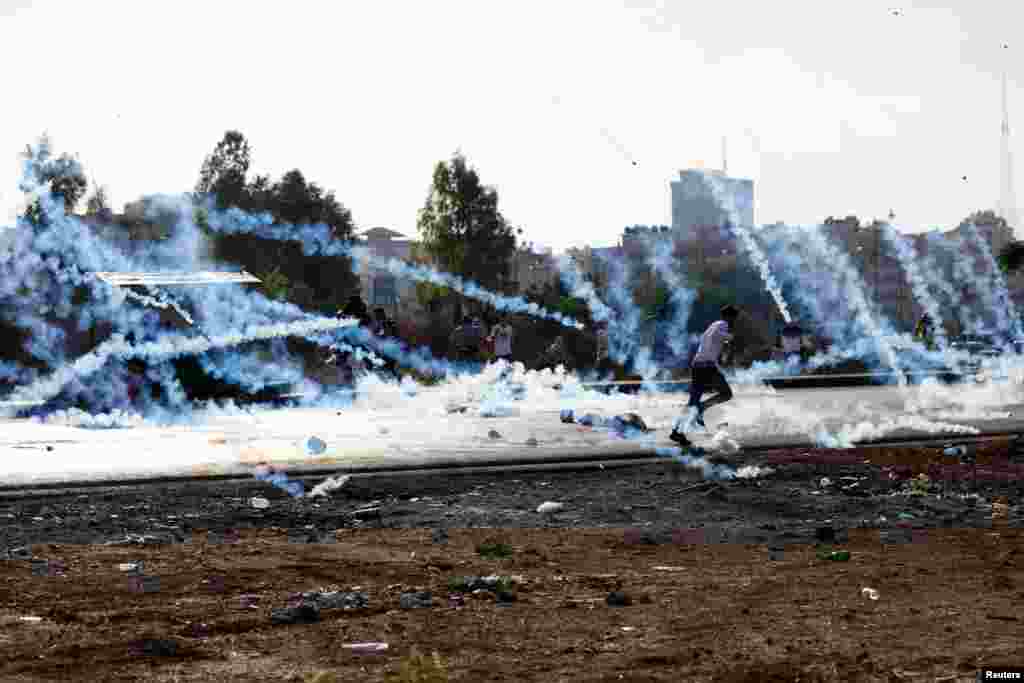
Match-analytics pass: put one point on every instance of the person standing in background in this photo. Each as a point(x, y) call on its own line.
point(502, 334)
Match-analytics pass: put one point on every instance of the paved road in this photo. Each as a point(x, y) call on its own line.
point(386, 427)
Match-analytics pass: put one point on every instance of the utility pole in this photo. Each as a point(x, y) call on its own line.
point(1007, 195)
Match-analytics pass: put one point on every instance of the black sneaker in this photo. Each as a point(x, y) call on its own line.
point(680, 439)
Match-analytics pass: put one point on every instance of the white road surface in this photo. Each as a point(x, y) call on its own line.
point(387, 425)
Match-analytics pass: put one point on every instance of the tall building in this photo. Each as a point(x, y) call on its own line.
point(705, 198)
point(1007, 195)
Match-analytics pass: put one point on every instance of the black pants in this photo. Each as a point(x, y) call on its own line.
point(703, 379)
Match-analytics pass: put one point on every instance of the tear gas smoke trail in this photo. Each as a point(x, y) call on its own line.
point(815, 283)
point(317, 240)
point(1008, 319)
point(943, 284)
point(964, 273)
point(710, 471)
point(854, 289)
point(659, 257)
point(156, 303)
point(420, 359)
point(167, 300)
point(728, 204)
point(166, 348)
point(49, 259)
point(908, 258)
point(622, 337)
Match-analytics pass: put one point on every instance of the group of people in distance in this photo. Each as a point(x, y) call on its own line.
point(471, 340)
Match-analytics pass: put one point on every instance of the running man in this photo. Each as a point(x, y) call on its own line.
point(705, 373)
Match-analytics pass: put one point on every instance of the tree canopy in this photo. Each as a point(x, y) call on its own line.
point(461, 228)
point(321, 283)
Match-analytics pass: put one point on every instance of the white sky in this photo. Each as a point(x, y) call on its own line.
point(831, 107)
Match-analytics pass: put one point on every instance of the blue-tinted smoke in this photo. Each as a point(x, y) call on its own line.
point(994, 285)
point(317, 240)
point(727, 203)
point(624, 333)
point(681, 298)
point(916, 278)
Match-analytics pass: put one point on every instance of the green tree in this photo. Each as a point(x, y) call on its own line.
point(461, 228)
point(1011, 257)
point(224, 172)
point(63, 175)
point(320, 282)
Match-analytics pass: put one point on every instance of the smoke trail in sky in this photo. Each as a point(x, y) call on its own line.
point(814, 282)
point(854, 289)
point(317, 240)
point(623, 336)
point(967, 320)
point(910, 262)
point(165, 348)
point(1007, 317)
point(728, 204)
point(681, 297)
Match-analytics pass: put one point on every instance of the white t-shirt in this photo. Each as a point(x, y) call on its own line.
point(502, 340)
point(711, 342)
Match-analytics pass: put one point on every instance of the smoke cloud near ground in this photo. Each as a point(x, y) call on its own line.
point(49, 291)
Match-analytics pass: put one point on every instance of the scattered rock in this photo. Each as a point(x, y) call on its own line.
point(418, 600)
point(869, 593)
point(154, 647)
point(618, 599)
point(22, 552)
point(549, 507)
point(494, 434)
point(259, 502)
point(331, 600)
point(504, 597)
point(315, 445)
point(367, 513)
point(305, 613)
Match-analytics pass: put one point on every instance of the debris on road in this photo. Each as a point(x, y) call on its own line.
point(259, 502)
point(366, 648)
point(549, 507)
point(328, 485)
point(315, 446)
point(532, 442)
point(330, 600)
point(304, 613)
point(618, 599)
point(417, 600)
point(153, 647)
point(869, 593)
point(834, 555)
point(494, 434)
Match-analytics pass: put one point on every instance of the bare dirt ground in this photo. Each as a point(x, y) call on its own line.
point(725, 581)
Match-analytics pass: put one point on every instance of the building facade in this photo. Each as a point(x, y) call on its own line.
point(707, 198)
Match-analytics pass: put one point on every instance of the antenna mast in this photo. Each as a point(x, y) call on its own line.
point(1007, 196)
